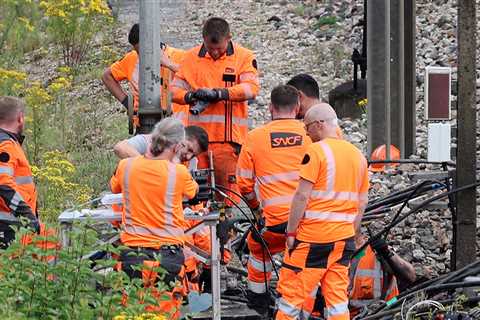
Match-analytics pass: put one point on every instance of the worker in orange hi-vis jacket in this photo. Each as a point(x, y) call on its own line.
point(271, 158)
point(217, 79)
point(325, 213)
point(18, 196)
point(127, 69)
point(309, 92)
point(153, 187)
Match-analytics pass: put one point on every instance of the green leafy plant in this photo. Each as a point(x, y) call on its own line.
point(41, 281)
point(325, 20)
point(73, 25)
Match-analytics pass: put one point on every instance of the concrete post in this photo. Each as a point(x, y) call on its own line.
point(397, 75)
point(149, 105)
point(378, 73)
point(464, 248)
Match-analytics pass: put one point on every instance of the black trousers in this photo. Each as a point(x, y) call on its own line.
point(171, 260)
point(7, 235)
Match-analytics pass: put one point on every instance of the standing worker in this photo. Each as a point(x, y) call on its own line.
point(326, 210)
point(271, 156)
point(309, 92)
point(223, 75)
point(152, 219)
point(18, 196)
point(128, 69)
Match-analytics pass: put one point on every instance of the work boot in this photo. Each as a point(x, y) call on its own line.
point(261, 303)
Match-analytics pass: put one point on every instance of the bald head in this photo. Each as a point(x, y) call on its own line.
point(321, 122)
point(321, 112)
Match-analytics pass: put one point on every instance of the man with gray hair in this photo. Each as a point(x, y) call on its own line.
point(17, 189)
point(153, 187)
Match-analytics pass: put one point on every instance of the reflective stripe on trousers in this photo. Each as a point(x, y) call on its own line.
point(336, 310)
point(258, 265)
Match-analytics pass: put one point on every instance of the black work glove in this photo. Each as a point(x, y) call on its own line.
point(125, 102)
point(190, 98)
point(211, 95)
point(381, 247)
point(208, 95)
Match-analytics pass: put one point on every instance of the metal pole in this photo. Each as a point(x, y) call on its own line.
point(378, 73)
point(465, 235)
point(410, 100)
point(397, 80)
point(215, 265)
point(149, 107)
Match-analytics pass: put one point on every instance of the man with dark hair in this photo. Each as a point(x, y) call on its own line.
point(196, 142)
point(128, 69)
point(222, 76)
point(271, 157)
point(17, 189)
point(309, 92)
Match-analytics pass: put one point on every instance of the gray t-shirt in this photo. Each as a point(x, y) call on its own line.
point(140, 142)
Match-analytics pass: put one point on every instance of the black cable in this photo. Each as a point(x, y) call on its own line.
point(413, 193)
point(263, 243)
point(414, 161)
point(412, 211)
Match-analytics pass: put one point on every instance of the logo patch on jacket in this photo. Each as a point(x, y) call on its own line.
point(285, 139)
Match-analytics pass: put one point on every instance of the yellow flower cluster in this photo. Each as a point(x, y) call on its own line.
point(36, 95)
point(60, 83)
point(363, 102)
point(145, 316)
point(27, 24)
point(12, 75)
point(67, 8)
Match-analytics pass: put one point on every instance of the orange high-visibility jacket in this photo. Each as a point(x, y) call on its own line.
point(339, 173)
point(152, 200)
point(271, 157)
point(236, 70)
point(369, 281)
point(128, 69)
point(17, 189)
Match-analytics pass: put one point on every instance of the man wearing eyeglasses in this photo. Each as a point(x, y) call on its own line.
point(325, 212)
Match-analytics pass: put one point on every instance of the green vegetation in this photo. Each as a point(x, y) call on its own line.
point(41, 280)
point(325, 20)
point(69, 131)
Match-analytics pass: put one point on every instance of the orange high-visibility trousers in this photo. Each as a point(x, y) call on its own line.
point(225, 158)
point(259, 258)
point(305, 268)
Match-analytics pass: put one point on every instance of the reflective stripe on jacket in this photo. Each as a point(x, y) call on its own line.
point(18, 195)
point(271, 157)
point(225, 121)
point(338, 171)
point(368, 282)
point(152, 200)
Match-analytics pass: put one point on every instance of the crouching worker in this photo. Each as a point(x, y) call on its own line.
point(153, 187)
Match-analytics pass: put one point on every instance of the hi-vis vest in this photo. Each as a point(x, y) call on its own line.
point(152, 200)
point(17, 189)
point(236, 70)
point(271, 157)
point(338, 171)
point(369, 281)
